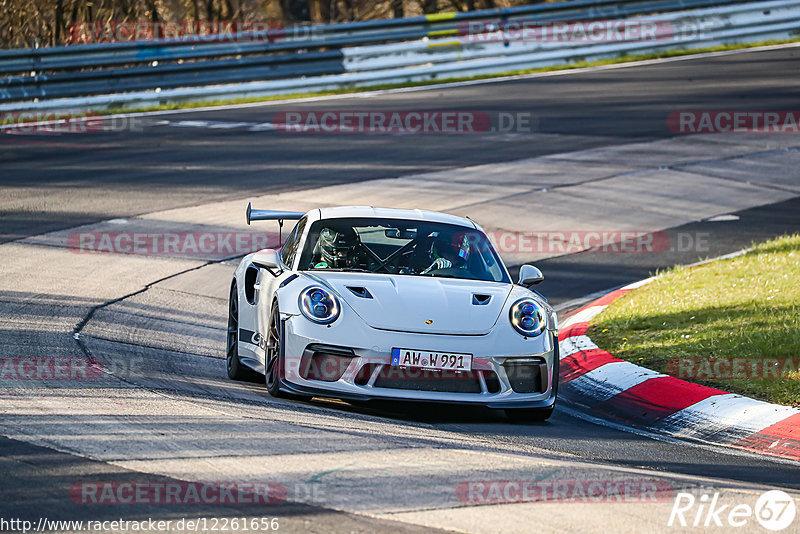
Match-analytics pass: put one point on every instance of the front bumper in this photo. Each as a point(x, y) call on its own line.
point(352, 362)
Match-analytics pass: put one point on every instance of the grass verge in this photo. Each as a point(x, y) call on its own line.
point(732, 324)
point(351, 90)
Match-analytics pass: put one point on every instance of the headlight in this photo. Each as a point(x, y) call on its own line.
point(319, 305)
point(528, 317)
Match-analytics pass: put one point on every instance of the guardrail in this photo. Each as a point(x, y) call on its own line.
point(314, 58)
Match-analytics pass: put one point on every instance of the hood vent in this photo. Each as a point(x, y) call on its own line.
point(480, 300)
point(377, 298)
point(362, 292)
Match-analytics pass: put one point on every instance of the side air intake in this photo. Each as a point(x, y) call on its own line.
point(362, 292)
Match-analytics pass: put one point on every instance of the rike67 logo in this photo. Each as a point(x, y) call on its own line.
point(774, 510)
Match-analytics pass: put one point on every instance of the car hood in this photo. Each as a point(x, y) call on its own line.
point(420, 304)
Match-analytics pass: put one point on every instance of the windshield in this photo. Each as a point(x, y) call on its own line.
point(398, 246)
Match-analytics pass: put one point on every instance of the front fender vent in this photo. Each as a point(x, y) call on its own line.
point(288, 280)
point(361, 292)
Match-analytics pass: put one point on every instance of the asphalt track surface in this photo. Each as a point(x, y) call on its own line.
point(51, 183)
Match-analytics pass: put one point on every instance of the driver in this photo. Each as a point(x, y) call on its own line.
point(447, 251)
point(336, 248)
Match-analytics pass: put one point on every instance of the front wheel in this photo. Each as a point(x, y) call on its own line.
point(274, 362)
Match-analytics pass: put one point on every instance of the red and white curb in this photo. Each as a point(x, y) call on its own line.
point(617, 390)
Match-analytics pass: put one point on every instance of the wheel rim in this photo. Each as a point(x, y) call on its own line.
point(233, 329)
point(273, 349)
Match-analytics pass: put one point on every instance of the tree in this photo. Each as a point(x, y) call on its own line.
point(398, 10)
point(296, 11)
point(430, 6)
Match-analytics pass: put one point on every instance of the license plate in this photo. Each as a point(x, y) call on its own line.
point(425, 359)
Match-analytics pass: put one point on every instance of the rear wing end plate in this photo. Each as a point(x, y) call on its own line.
point(271, 215)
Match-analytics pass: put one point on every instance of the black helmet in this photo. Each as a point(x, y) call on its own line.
point(454, 247)
point(336, 246)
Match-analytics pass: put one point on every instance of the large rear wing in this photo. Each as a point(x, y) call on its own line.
point(270, 215)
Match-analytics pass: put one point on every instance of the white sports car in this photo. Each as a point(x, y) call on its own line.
point(364, 303)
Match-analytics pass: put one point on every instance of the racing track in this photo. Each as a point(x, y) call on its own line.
point(157, 321)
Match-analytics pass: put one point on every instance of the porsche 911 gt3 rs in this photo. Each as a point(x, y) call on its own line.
point(365, 303)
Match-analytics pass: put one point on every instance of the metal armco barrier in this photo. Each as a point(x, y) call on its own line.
point(314, 58)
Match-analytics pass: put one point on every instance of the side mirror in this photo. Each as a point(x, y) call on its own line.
point(267, 259)
point(530, 276)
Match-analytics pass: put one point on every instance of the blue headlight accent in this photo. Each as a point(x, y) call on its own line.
point(528, 317)
point(319, 305)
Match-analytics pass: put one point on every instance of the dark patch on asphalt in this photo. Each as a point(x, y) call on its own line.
point(37, 483)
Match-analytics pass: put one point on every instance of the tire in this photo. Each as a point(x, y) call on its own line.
point(236, 370)
point(274, 365)
point(524, 415)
